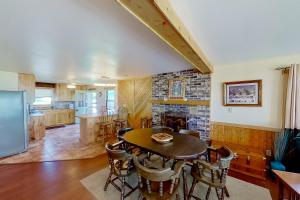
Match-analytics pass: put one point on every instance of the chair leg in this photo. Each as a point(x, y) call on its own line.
point(208, 193)
point(226, 192)
point(220, 194)
point(192, 188)
point(123, 188)
point(140, 197)
point(108, 181)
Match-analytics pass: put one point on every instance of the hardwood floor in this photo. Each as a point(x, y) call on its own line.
point(58, 144)
point(60, 180)
point(48, 180)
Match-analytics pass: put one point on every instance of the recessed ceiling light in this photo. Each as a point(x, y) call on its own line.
point(105, 77)
point(105, 84)
point(71, 86)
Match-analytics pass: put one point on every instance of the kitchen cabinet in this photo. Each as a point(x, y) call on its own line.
point(50, 118)
point(58, 117)
point(27, 83)
point(63, 93)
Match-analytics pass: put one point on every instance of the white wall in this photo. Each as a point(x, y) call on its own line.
point(9, 81)
point(269, 115)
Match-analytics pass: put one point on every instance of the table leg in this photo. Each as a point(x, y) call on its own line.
point(280, 190)
point(185, 189)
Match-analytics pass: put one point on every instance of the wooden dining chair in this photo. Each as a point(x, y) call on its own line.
point(190, 132)
point(121, 166)
point(166, 179)
point(105, 127)
point(162, 128)
point(213, 174)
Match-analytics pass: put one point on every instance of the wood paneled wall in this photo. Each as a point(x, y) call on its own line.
point(136, 95)
point(250, 144)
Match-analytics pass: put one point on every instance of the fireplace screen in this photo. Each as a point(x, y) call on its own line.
point(174, 121)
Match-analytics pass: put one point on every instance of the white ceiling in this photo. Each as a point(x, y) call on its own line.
point(79, 41)
point(235, 31)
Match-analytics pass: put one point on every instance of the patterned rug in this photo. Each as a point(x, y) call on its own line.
point(238, 190)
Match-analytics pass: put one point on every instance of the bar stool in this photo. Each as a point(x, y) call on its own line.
point(146, 122)
point(119, 124)
point(105, 128)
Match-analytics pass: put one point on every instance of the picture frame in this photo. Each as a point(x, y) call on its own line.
point(176, 89)
point(243, 93)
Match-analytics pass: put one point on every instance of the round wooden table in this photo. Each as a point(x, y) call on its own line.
point(182, 147)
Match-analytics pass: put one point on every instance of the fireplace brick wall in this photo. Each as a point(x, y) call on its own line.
point(197, 88)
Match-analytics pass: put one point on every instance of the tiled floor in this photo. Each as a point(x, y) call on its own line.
point(58, 144)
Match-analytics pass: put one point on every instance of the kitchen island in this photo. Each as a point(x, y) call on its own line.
point(89, 127)
point(36, 126)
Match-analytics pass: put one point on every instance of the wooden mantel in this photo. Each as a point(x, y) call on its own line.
point(181, 102)
point(160, 18)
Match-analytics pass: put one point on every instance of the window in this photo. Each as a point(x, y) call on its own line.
point(91, 102)
point(43, 96)
point(110, 101)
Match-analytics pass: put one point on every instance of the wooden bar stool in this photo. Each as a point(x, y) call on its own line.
point(119, 124)
point(146, 122)
point(105, 128)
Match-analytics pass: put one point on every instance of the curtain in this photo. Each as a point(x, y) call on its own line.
point(290, 156)
point(292, 109)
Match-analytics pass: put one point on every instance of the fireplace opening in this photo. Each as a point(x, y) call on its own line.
point(176, 121)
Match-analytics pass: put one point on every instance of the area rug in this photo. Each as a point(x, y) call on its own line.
point(238, 190)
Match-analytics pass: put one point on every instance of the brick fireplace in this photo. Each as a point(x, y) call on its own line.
point(176, 121)
point(197, 88)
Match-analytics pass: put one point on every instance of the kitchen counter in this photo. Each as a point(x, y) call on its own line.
point(89, 127)
point(90, 116)
point(36, 126)
point(59, 117)
point(36, 115)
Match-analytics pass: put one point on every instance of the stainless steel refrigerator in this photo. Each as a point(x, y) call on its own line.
point(13, 123)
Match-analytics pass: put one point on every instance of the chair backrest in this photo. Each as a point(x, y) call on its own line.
point(225, 156)
point(190, 132)
point(122, 113)
point(156, 175)
point(153, 174)
point(162, 128)
point(116, 154)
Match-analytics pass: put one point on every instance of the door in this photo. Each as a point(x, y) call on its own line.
point(13, 123)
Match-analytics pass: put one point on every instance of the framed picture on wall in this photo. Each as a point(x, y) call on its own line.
point(176, 89)
point(243, 93)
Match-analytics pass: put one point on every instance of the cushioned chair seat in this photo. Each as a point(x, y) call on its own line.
point(277, 165)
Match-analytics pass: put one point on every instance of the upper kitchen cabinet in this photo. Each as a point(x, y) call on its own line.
point(63, 93)
point(27, 83)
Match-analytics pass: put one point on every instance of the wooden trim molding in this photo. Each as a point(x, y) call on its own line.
point(159, 17)
point(181, 102)
point(263, 128)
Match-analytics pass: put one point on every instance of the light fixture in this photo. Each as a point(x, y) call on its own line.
point(105, 84)
point(71, 86)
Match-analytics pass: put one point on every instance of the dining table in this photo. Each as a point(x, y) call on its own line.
point(182, 147)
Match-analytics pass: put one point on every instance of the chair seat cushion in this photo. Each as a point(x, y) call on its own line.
point(277, 165)
point(124, 171)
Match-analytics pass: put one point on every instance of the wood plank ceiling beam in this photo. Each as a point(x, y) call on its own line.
point(160, 18)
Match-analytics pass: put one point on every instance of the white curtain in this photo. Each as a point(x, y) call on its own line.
point(292, 113)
